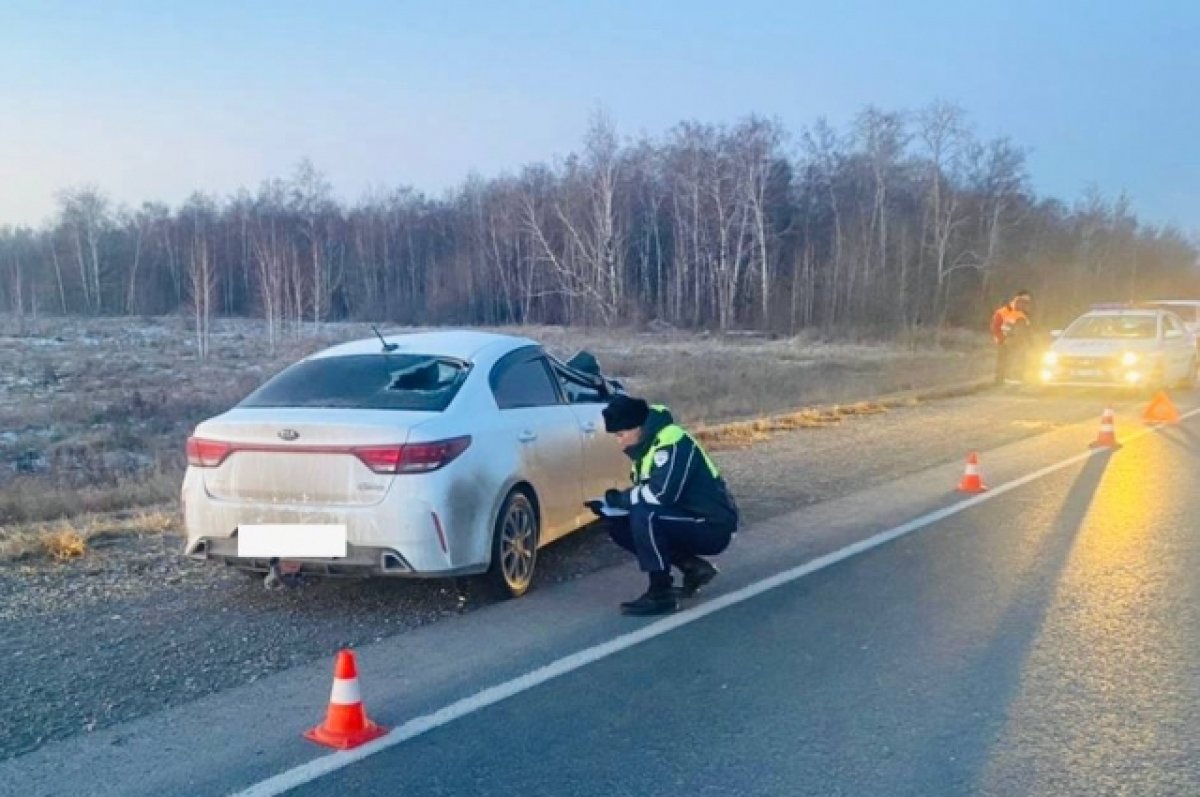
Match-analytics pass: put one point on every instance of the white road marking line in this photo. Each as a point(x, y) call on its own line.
point(308, 772)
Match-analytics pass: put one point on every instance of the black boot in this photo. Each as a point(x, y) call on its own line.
point(696, 573)
point(660, 598)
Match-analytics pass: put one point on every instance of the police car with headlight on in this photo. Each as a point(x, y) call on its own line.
point(1127, 347)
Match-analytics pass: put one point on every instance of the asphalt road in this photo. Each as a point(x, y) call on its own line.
point(1047, 642)
point(1037, 641)
point(75, 638)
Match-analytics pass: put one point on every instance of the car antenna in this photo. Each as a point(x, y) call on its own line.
point(386, 346)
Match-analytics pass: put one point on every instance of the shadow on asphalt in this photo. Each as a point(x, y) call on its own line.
point(1002, 663)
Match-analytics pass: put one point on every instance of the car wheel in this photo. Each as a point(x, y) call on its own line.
point(514, 546)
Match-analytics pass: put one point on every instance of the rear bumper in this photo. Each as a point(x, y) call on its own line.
point(398, 537)
point(361, 561)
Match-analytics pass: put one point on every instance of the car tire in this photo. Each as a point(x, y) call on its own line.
point(514, 546)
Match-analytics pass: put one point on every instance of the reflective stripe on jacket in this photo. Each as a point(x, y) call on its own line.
point(671, 469)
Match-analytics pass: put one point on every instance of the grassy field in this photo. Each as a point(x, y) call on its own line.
point(94, 412)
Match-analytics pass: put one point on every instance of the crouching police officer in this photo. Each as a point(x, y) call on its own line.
point(679, 507)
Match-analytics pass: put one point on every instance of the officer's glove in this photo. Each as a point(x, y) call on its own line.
point(618, 499)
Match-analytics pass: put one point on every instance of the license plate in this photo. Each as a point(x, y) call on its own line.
point(292, 540)
point(1086, 372)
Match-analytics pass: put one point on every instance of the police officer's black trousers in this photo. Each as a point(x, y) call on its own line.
point(662, 536)
point(1010, 361)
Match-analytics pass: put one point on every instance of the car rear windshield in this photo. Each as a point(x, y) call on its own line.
point(365, 381)
point(1114, 326)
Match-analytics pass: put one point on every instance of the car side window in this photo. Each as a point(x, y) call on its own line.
point(578, 391)
point(1173, 327)
point(526, 383)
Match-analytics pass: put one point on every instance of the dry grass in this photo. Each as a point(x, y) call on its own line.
point(745, 433)
point(708, 379)
point(739, 434)
point(30, 500)
point(64, 544)
point(64, 540)
point(94, 412)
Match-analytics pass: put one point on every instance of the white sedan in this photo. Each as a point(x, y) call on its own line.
point(428, 454)
point(1188, 311)
point(1130, 348)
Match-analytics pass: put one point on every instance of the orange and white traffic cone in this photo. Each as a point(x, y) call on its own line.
point(346, 724)
point(972, 482)
point(1108, 431)
point(1161, 410)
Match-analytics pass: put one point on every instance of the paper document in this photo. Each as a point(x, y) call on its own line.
point(598, 506)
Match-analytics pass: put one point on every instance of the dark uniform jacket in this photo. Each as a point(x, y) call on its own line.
point(671, 470)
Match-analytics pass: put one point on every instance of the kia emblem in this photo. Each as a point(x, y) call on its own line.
point(288, 434)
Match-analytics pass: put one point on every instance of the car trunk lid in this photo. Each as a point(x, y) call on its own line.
point(302, 456)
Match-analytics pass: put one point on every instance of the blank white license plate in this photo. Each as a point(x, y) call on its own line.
point(302, 540)
point(1086, 372)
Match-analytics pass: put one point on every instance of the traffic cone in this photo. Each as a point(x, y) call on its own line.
point(346, 724)
point(971, 482)
point(1161, 410)
point(1108, 431)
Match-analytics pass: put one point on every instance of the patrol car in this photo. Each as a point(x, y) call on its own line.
point(1125, 347)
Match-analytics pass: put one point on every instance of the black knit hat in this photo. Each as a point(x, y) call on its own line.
point(625, 412)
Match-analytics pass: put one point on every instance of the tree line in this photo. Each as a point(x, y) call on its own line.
point(898, 220)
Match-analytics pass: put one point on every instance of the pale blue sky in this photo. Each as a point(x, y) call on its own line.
point(151, 100)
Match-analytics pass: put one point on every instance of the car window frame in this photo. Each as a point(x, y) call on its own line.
point(596, 383)
point(520, 357)
point(1171, 322)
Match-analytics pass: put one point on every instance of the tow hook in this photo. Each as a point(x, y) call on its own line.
point(277, 579)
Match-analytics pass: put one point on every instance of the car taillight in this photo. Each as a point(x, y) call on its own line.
point(206, 453)
point(414, 457)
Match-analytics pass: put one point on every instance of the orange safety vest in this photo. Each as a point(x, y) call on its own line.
point(1004, 319)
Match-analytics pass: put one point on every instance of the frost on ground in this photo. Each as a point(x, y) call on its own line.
point(94, 412)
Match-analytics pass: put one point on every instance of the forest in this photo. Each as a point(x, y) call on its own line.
point(898, 220)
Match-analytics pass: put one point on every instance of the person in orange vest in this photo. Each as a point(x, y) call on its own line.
point(1009, 323)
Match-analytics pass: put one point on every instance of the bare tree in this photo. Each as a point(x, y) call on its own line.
point(200, 213)
point(893, 220)
point(84, 214)
point(942, 131)
point(312, 203)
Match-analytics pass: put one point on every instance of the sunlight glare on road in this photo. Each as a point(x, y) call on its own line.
point(1105, 634)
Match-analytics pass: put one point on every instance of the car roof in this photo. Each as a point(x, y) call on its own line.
point(1178, 302)
point(1142, 311)
point(463, 344)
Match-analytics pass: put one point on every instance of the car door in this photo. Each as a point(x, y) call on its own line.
point(1178, 349)
point(604, 464)
point(546, 435)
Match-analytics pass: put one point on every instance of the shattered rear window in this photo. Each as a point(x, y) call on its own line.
point(365, 381)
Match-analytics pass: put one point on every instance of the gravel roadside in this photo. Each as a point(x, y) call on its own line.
point(135, 627)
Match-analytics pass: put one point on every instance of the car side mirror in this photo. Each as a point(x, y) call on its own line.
point(585, 363)
point(1056, 333)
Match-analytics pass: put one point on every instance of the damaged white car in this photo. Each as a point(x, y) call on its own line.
point(428, 454)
